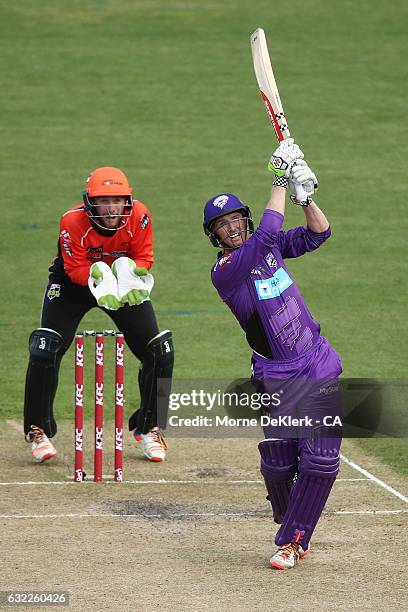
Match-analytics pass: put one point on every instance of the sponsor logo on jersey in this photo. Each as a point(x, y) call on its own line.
point(328, 390)
point(274, 286)
point(98, 255)
point(54, 291)
point(97, 249)
point(66, 241)
point(259, 271)
point(222, 262)
point(144, 221)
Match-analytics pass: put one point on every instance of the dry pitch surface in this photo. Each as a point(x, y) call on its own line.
point(198, 540)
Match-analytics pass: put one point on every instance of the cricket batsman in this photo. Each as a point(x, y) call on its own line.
point(289, 352)
point(105, 252)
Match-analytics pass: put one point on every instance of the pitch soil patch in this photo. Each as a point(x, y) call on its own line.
point(170, 511)
point(209, 472)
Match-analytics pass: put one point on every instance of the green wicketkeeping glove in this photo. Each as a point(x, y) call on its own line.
point(103, 285)
point(134, 283)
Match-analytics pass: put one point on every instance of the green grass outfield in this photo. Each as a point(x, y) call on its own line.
point(166, 91)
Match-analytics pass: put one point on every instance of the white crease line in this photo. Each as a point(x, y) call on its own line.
point(381, 483)
point(142, 482)
point(262, 514)
point(368, 512)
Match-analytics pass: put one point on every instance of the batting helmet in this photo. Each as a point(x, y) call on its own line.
point(221, 205)
point(106, 181)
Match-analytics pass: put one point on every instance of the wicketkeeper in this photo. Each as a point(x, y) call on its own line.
point(289, 353)
point(105, 250)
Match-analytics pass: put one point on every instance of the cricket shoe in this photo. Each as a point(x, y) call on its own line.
point(152, 444)
point(287, 556)
point(42, 448)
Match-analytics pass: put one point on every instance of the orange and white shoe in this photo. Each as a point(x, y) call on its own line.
point(42, 448)
point(287, 556)
point(152, 444)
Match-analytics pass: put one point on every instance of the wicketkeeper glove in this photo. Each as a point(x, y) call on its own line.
point(134, 284)
point(302, 183)
point(104, 287)
point(284, 156)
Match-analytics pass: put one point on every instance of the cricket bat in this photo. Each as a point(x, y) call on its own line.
point(270, 93)
point(267, 84)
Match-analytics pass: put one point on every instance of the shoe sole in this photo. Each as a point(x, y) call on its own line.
point(276, 565)
point(45, 458)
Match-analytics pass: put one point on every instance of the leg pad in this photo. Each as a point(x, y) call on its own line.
point(278, 467)
point(318, 467)
point(155, 384)
point(46, 349)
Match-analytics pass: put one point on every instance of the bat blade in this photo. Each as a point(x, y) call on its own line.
point(267, 84)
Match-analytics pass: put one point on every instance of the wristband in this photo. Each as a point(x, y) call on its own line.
point(304, 204)
point(281, 181)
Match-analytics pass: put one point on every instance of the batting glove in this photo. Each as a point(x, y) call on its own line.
point(302, 183)
point(103, 286)
point(134, 284)
point(284, 156)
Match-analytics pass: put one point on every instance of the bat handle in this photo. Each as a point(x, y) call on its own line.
point(300, 194)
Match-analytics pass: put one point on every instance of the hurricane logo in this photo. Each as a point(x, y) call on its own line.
point(221, 201)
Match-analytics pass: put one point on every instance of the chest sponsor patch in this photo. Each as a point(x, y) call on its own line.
point(97, 249)
point(269, 288)
point(98, 255)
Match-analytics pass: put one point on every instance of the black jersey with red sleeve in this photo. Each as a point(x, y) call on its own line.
point(80, 244)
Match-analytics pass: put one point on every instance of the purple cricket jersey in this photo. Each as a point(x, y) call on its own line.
point(258, 288)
